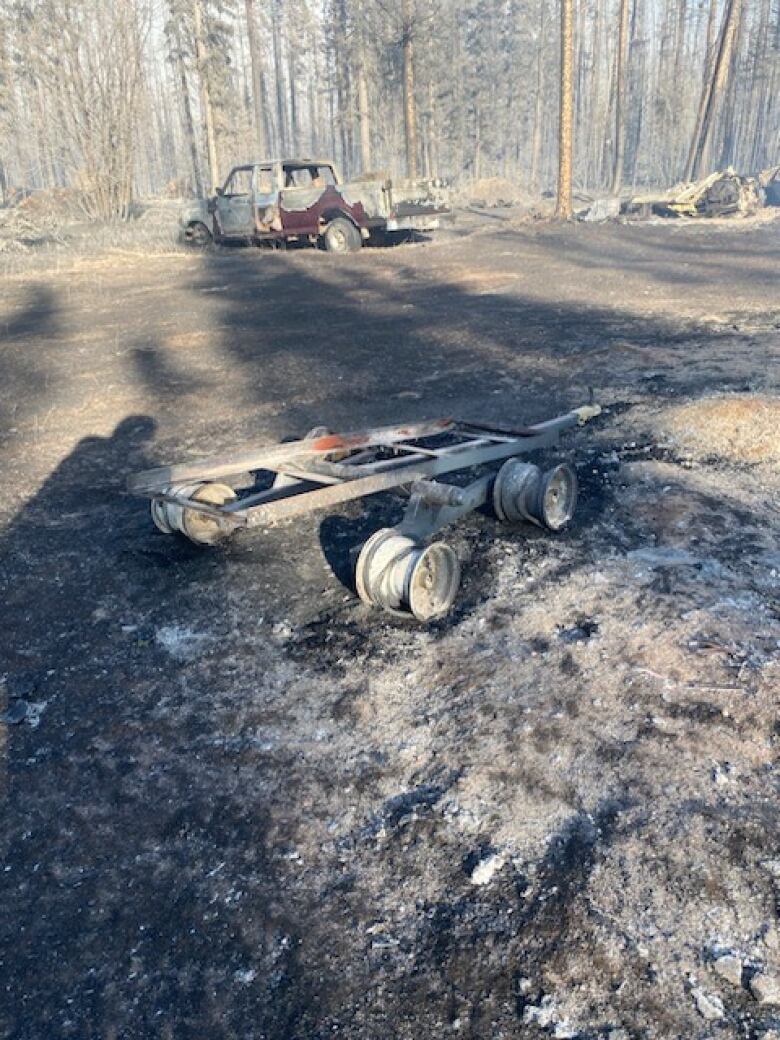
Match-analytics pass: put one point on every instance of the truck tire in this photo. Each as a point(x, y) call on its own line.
point(197, 234)
point(341, 236)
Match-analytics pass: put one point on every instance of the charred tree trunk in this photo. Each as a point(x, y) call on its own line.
point(201, 52)
point(706, 80)
point(410, 110)
point(363, 117)
point(258, 85)
point(563, 208)
point(294, 128)
point(536, 136)
point(698, 156)
point(186, 105)
point(281, 109)
point(620, 98)
point(730, 116)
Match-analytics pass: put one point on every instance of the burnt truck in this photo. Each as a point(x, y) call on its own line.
point(304, 200)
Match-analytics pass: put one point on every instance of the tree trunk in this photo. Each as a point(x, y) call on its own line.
point(363, 117)
point(281, 109)
point(433, 131)
point(706, 80)
point(186, 108)
point(477, 146)
point(201, 52)
point(594, 110)
point(258, 92)
point(563, 208)
point(729, 103)
point(620, 98)
point(698, 156)
point(410, 111)
point(536, 136)
point(294, 130)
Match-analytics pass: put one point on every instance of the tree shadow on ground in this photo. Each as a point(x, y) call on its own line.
point(29, 377)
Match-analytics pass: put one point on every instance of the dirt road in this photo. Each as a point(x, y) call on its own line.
point(242, 805)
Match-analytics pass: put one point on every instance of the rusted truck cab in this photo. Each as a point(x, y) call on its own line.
point(304, 200)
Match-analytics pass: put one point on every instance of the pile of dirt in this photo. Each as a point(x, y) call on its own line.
point(493, 192)
point(739, 428)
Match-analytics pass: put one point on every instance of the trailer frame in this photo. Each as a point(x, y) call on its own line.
point(200, 499)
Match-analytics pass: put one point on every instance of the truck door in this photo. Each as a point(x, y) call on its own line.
point(301, 198)
point(266, 193)
point(235, 204)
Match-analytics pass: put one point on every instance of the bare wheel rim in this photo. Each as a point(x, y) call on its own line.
point(558, 496)
point(201, 528)
point(433, 582)
point(339, 239)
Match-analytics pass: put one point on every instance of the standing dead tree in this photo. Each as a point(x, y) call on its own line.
point(177, 35)
point(207, 108)
point(410, 104)
point(563, 207)
point(712, 91)
point(258, 83)
point(86, 62)
point(458, 88)
point(621, 63)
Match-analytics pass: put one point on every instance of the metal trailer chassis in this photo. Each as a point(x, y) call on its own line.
point(396, 570)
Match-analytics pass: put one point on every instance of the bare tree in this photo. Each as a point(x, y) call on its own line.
point(282, 121)
point(698, 156)
point(258, 85)
point(563, 207)
point(88, 65)
point(363, 107)
point(410, 106)
point(459, 88)
point(176, 37)
point(201, 49)
point(621, 61)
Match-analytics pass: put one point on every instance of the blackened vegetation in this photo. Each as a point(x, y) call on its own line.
point(483, 942)
point(403, 807)
point(183, 830)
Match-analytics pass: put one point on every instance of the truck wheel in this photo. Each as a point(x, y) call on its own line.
point(341, 236)
point(197, 234)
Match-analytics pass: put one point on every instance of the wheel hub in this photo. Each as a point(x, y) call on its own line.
point(402, 577)
point(171, 518)
point(522, 492)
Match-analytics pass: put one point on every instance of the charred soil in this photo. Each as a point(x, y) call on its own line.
point(240, 804)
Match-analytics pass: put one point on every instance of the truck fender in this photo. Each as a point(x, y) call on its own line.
point(333, 213)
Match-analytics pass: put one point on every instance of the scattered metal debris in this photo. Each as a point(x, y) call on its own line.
point(396, 570)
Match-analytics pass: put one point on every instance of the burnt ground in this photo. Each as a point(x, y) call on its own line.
point(241, 804)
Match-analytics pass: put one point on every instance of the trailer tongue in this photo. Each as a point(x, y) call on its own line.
point(396, 570)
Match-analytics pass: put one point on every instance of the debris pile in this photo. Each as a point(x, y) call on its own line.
point(604, 208)
point(724, 193)
point(38, 217)
point(496, 192)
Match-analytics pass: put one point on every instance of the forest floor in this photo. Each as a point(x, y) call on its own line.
point(241, 804)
